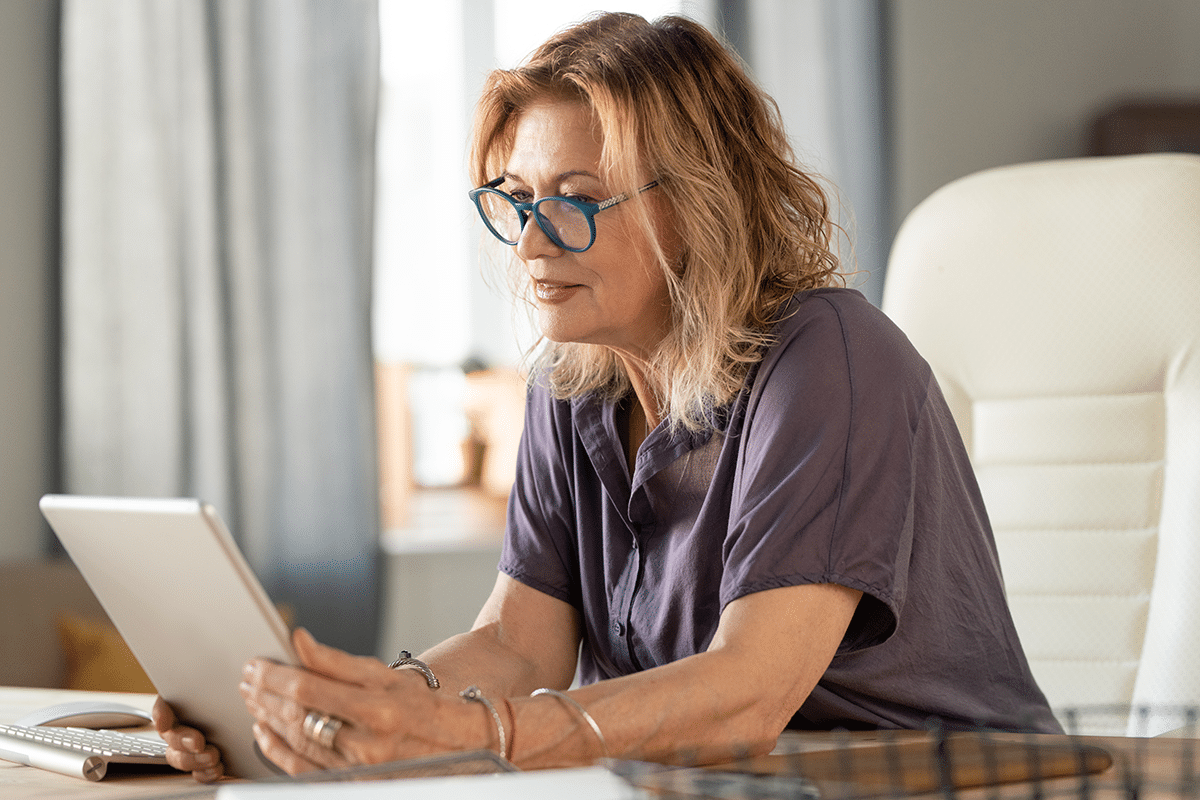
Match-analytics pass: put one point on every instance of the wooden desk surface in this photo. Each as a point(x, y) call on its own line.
point(990, 766)
point(842, 764)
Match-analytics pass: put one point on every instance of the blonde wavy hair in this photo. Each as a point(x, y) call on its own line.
point(754, 228)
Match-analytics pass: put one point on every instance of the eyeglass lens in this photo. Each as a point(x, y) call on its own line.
point(567, 222)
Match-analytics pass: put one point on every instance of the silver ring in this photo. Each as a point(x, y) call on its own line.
point(322, 728)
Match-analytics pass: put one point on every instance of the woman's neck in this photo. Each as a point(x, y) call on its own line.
point(645, 411)
point(646, 391)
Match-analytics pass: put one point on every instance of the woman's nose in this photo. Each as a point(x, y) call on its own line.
point(534, 243)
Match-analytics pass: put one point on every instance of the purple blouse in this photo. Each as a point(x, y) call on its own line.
point(838, 462)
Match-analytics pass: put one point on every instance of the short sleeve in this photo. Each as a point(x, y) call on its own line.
point(823, 492)
point(538, 545)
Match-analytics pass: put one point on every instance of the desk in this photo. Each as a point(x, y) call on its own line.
point(989, 766)
point(1159, 768)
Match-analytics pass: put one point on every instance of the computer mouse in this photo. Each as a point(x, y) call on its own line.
point(87, 714)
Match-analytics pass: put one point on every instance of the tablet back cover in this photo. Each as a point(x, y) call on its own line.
point(174, 583)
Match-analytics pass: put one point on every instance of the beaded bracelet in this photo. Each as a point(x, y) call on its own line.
point(583, 712)
point(473, 693)
point(406, 661)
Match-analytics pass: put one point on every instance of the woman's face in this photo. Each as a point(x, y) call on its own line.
point(613, 293)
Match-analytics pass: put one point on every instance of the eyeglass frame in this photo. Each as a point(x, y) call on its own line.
point(524, 210)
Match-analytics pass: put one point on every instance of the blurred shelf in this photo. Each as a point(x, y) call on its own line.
point(448, 520)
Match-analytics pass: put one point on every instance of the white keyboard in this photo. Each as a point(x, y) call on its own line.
point(78, 752)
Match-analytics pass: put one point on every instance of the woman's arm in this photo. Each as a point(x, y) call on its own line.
point(769, 651)
point(735, 699)
point(521, 640)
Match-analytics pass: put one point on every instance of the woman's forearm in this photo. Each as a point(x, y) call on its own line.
point(731, 701)
point(480, 657)
point(694, 711)
point(769, 650)
point(521, 640)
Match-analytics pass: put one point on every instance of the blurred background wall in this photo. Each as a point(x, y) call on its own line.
point(977, 84)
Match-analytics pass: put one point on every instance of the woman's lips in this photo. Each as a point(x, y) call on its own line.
point(552, 292)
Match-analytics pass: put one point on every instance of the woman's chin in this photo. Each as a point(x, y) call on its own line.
point(559, 327)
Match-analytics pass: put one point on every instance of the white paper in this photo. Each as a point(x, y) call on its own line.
point(587, 783)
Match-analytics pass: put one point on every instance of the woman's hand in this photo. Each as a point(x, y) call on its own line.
point(186, 748)
point(387, 714)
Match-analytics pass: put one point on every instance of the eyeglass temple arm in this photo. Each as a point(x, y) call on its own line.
point(621, 198)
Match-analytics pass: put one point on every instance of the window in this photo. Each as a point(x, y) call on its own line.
point(432, 306)
point(435, 310)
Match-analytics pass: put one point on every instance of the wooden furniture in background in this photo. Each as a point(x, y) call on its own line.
point(394, 422)
point(1147, 126)
point(35, 596)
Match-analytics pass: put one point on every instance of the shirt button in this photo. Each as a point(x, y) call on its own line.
point(618, 628)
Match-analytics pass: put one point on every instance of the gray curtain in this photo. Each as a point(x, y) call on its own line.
point(218, 190)
point(825, 63)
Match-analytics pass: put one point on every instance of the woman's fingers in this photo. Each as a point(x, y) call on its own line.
point(331, 681)
point(205, 766)
point(283, 718)
point(291, 692)
point(340, 665)
point(277, 749)
point(372, 702)
point(163, 715)
point(187, 750)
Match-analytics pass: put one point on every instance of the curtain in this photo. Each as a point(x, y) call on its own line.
point(825, 63)
point(217, 223)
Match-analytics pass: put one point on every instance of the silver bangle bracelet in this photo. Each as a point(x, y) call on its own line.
point(406, 661)
point(583, 712)
point(473, 693)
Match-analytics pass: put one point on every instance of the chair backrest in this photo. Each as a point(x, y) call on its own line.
point(1059, 305)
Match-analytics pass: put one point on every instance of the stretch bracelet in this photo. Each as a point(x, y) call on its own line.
point(583, 712)
point(406, 661)
point(475, 694)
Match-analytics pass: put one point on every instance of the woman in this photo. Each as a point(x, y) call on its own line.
point(739, 488)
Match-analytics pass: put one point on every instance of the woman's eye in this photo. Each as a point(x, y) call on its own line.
point(521, 196)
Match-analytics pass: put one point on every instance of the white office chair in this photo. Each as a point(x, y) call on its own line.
point(1059, 305)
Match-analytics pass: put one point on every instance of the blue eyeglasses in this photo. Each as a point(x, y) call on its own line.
point(569, 223)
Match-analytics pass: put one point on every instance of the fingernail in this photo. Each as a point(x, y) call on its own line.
point(191, 743)
point(207, 775)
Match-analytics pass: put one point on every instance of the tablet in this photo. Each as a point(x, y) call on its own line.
point(173, 581)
